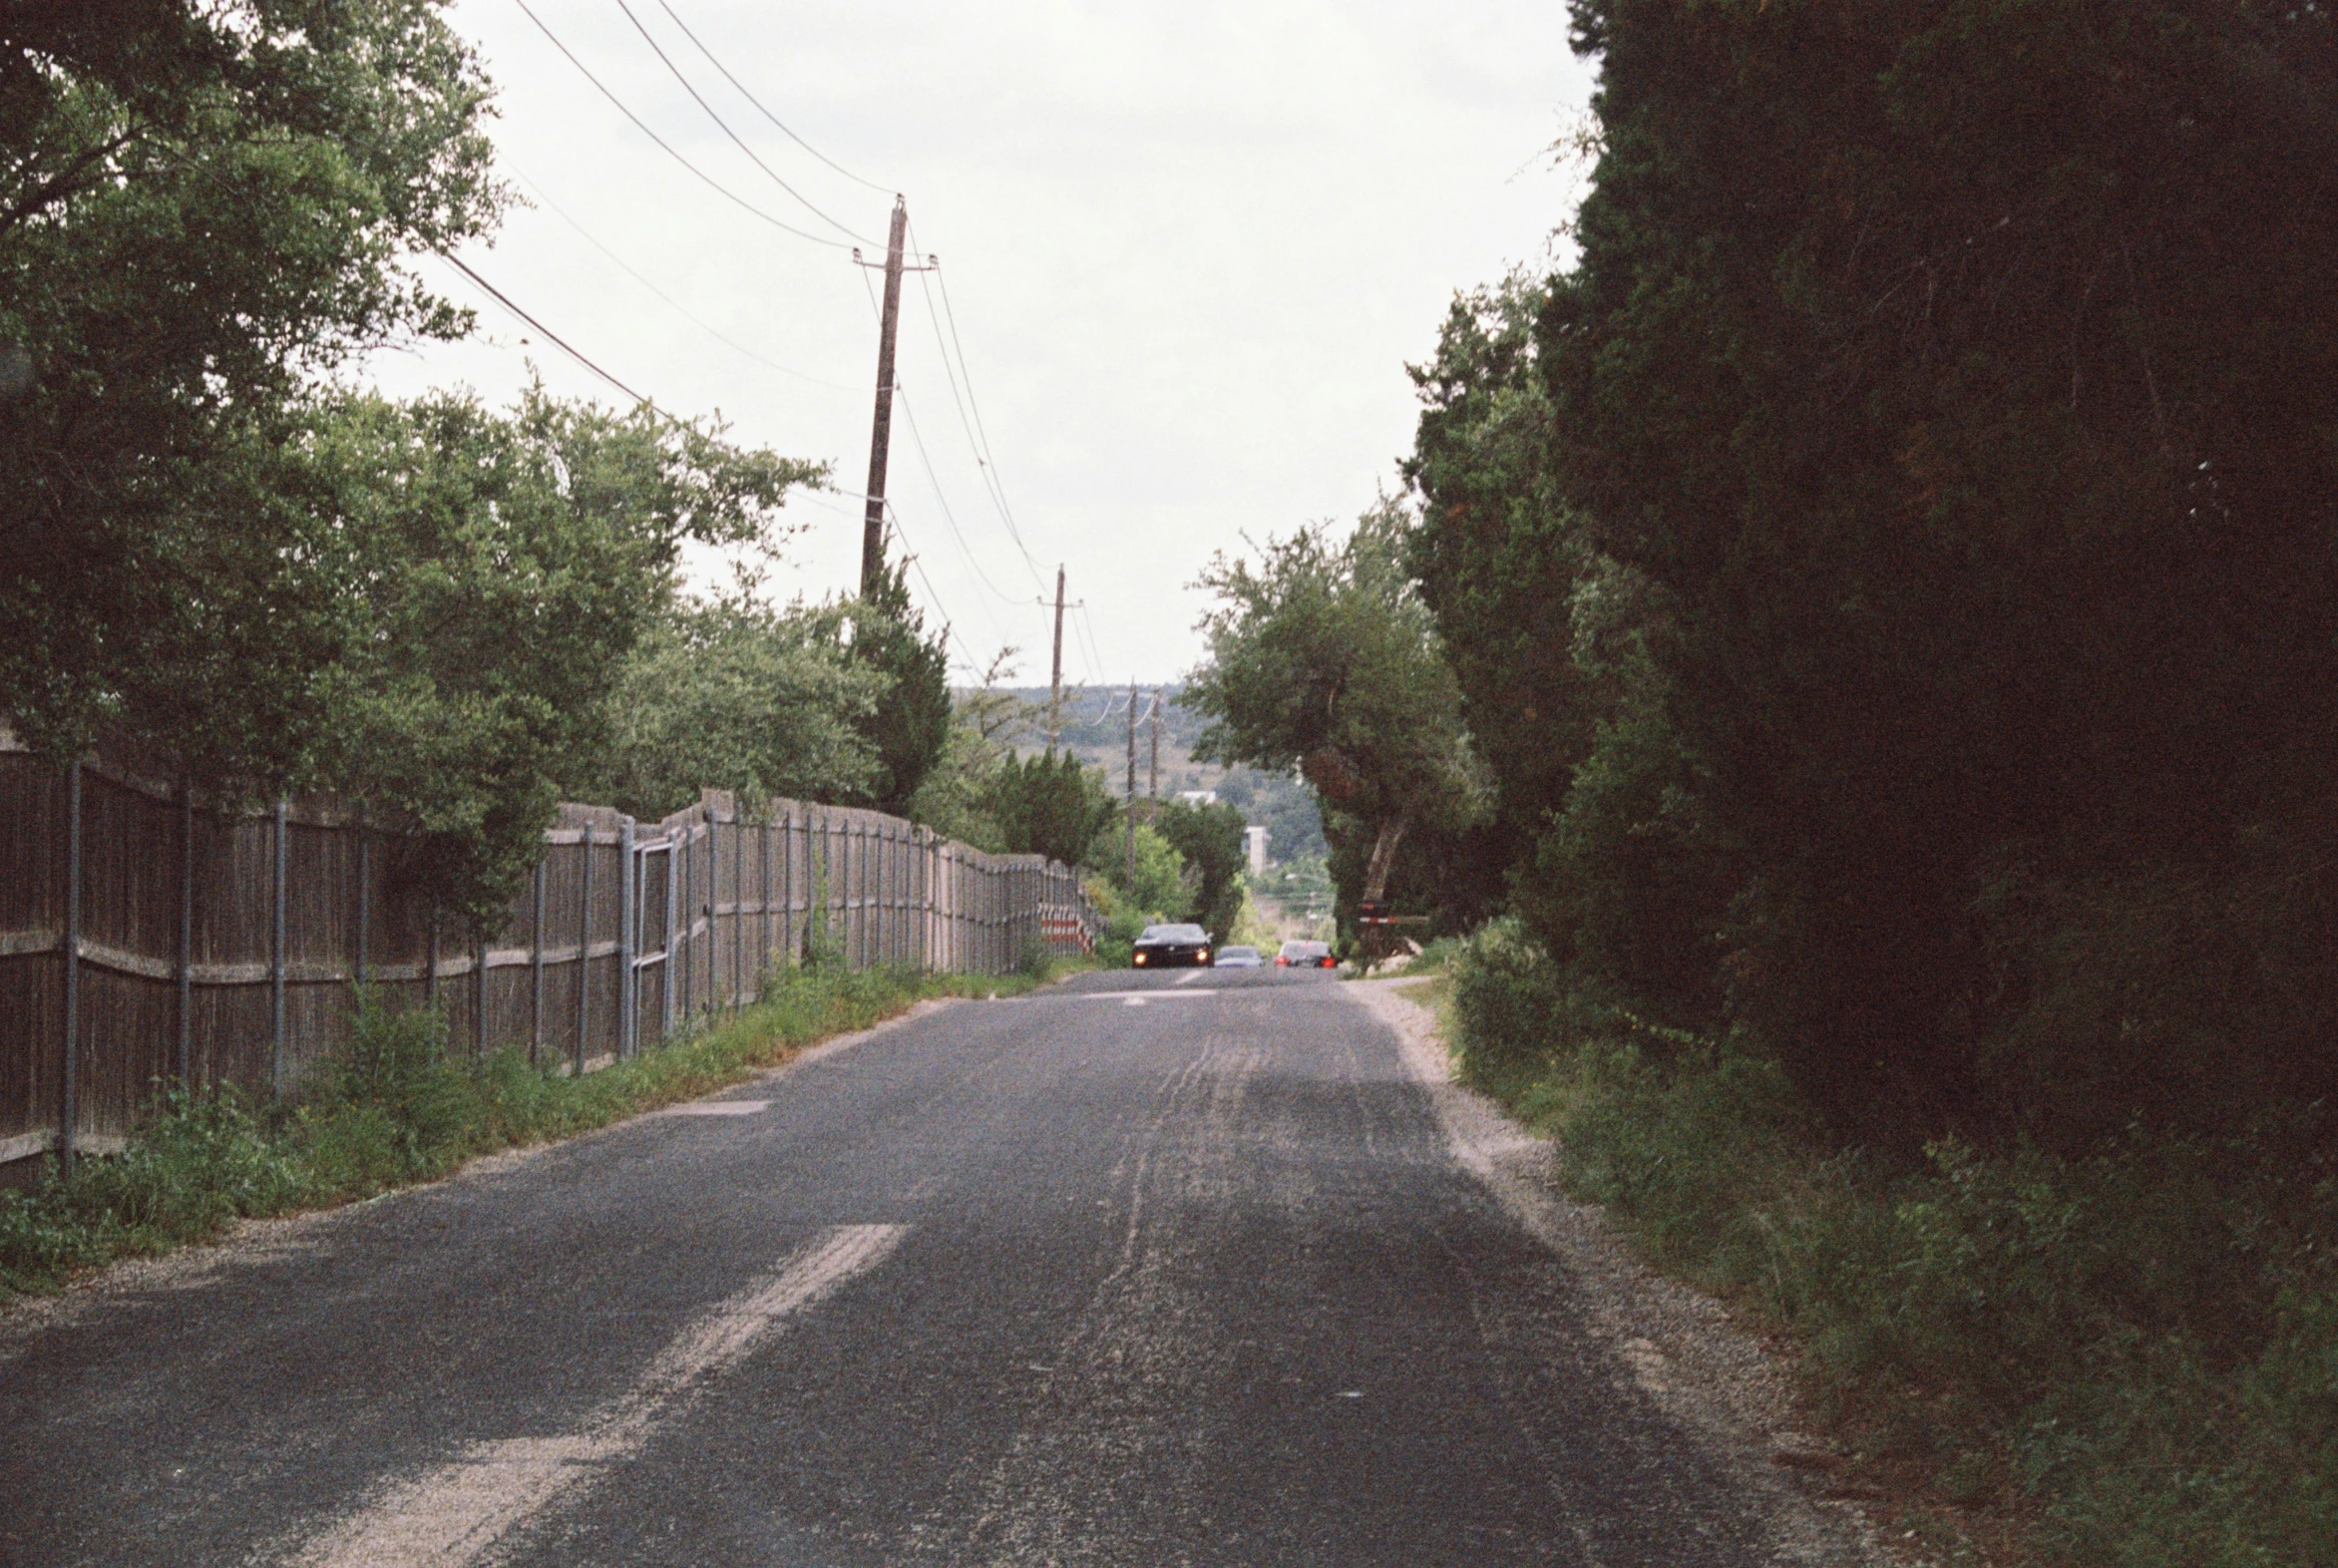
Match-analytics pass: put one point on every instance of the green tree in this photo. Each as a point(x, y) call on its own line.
point(1322, 657)
point(956, 798)
point(1162, 891)
point(1497, 555)
point(204, 209)
point(910, 725)
point(736, 694)
point(1208, 839)
point(1050, 805)
point(1963, 375)
point(493, 573)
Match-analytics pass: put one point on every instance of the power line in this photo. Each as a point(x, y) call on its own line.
point(948, 516)
point(726, 192)
point(700, 322)
point(558, 343)
point(760, 109)
point(949, 627)
point(667, 61)
point(977, 437)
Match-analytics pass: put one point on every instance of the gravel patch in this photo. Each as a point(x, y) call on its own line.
point(1738, 1398)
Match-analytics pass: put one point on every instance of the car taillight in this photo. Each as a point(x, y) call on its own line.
point(1328, 961)
point(1280, 961)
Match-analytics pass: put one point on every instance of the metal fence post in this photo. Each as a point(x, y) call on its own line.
point(68, 1096)
point(665, 988)
point(277, 965)
point(479, 994)
point(535, 965)
point(629, 938)
point(711, 899)
point(185, 975)
point(584, 951)
point(738, 912)
point(364, 904)
point(683, 935)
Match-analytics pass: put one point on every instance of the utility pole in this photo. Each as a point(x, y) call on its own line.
point(880, 436)
point(1055, 676)
point(1154, 787)
point(1130, 800)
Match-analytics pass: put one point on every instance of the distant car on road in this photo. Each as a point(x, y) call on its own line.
point(1237, 958)
point(1164, 945)
point(1306, 956)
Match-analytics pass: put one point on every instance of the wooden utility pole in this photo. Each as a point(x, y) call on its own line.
point(1129, 803)
point(1154, 787)
point(880, 435)
point(1055, 675)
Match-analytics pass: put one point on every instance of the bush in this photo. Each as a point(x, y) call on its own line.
point(396, 1108)
point(2142, 1340)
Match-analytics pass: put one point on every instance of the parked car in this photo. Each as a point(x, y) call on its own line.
point(1163, 946)
point(1236, 958)
point(1306, 956)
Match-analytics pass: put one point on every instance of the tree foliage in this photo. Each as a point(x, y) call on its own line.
point(203, 209)
point(492, 575)
point(1324, 658)
point(737, 694)
point(908, 730)
point(1049, 805)
point(1208, 838)
point(1957, 381)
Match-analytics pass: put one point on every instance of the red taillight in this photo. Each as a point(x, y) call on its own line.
point(1328, 962)
point(1280, 961)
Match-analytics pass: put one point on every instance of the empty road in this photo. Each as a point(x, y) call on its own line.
point(1143, 1270)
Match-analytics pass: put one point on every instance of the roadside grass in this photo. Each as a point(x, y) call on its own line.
point(2129, 1359)
point(397, 1108)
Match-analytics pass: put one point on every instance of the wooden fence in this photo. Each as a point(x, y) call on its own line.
point(147, 936)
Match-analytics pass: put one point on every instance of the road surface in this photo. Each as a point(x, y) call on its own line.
point(1143, 1270)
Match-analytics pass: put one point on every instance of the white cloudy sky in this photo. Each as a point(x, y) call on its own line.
point(1190, 247)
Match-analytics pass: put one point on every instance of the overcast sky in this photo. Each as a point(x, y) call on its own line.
point(1190, 249)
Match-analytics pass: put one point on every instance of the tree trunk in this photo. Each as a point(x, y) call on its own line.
point(1384, 856)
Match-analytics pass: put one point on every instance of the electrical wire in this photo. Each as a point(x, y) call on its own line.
point(724, 125)
point(949, 627)
point(701, 324)
point(948, 516)
point(558, 343)
point(978, 437)
point(760, 109)
point(717, 185)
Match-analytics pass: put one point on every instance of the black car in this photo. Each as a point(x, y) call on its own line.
point(1306, 956)
point(1163, 946)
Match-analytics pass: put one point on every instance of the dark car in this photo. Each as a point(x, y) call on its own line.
point(1164, 945)
point(1306, 956)
point(1236, 958)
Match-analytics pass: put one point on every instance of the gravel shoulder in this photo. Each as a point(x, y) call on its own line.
point(1718, 1381)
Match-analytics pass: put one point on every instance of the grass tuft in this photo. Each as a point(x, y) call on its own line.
point(2131, 1358)
point(397, 1107)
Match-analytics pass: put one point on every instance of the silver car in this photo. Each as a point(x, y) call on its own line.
point(1236, 958)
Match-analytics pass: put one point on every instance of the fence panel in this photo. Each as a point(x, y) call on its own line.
point(223, 942)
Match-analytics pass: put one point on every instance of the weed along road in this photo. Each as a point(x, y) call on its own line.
point(1140, 1270)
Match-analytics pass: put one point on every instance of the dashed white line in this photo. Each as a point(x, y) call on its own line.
point(457, 1513)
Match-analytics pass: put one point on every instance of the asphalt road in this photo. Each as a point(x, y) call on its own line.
point(1155, 1269)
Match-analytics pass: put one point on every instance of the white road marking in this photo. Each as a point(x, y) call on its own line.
point(1132, 1001)
point(457, 1513)
point(1123, 995)
point(1189, 977)
point(717, 1108)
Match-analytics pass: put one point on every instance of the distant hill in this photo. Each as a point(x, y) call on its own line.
point(1095, 729)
